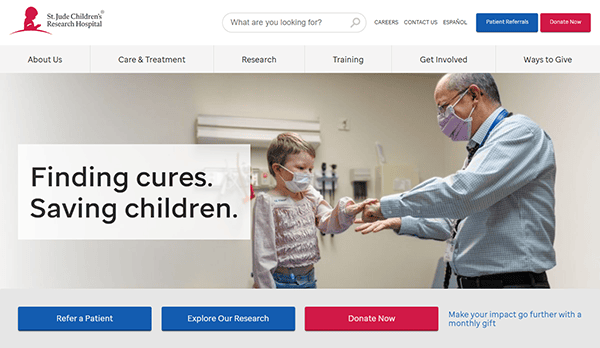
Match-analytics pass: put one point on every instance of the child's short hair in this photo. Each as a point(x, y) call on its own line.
point(287, 144)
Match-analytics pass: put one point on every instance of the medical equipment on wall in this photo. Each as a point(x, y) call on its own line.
point(326, 182)
point(395, 178)
point(258, 132)
point(333, 181)
point(261, 179)
point(319, 183)
point(359, 177)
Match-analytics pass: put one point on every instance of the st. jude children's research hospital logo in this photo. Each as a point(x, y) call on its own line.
point(60, 20)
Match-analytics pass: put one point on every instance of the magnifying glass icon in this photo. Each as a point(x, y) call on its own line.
point(355, 21)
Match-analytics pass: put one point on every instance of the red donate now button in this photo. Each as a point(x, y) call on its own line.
point(371, 319)
point(565, 22)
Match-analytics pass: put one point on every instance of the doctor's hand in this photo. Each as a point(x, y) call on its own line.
point(379, 225)
point(372, 213)
point(356, 208)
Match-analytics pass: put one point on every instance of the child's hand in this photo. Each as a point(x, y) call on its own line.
point(356, 208)
point(372, 213)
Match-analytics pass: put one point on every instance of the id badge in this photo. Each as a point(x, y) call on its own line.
point(448, 254)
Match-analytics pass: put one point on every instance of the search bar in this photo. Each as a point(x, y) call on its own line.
point(294, 22)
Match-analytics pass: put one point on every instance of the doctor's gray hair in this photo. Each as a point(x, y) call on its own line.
point(460, 82)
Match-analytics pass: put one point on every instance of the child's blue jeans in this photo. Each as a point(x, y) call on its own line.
point(291, 281)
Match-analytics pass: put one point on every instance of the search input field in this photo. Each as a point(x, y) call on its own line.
point(294, 22)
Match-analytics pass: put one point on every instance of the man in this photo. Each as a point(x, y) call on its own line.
point(497, 212)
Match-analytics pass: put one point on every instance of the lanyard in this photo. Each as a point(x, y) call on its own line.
point(502, 115)
point(499, 118)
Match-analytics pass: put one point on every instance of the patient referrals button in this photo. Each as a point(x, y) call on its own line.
point(85, 318)
point(371, 318)
point(507, 22)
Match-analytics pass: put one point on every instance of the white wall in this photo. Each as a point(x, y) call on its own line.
point(397, 110)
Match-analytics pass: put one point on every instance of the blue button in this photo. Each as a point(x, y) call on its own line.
point(507, 22)
point(228, 318)
point(85, 318)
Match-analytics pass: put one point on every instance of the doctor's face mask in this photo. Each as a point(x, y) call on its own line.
point(453, 126)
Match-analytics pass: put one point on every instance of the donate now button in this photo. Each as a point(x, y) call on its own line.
point(565, 22)
point(371, 319)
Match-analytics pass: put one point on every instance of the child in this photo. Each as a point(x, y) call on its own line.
point(30, 15)
point(285, 245)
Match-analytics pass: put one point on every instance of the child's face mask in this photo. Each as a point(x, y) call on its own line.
point(299, 183)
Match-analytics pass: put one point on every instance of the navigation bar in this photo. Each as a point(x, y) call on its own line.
point(298, 59)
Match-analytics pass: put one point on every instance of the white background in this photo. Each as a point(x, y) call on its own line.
point(222, 165)
point(184, 22)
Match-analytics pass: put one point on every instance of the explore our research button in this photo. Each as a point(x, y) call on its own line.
point(228, 318)
point(507, 22)
point(371, 319)
point(565, 22)
point(85, 318)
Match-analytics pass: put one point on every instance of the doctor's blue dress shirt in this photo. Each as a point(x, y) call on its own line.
point(504, 199)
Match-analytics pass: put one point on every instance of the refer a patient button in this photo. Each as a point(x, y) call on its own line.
point(85, 318)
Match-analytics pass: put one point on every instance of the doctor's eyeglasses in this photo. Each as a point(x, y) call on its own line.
point(442, 108)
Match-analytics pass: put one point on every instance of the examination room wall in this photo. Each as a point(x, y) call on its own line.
point(396, 110)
